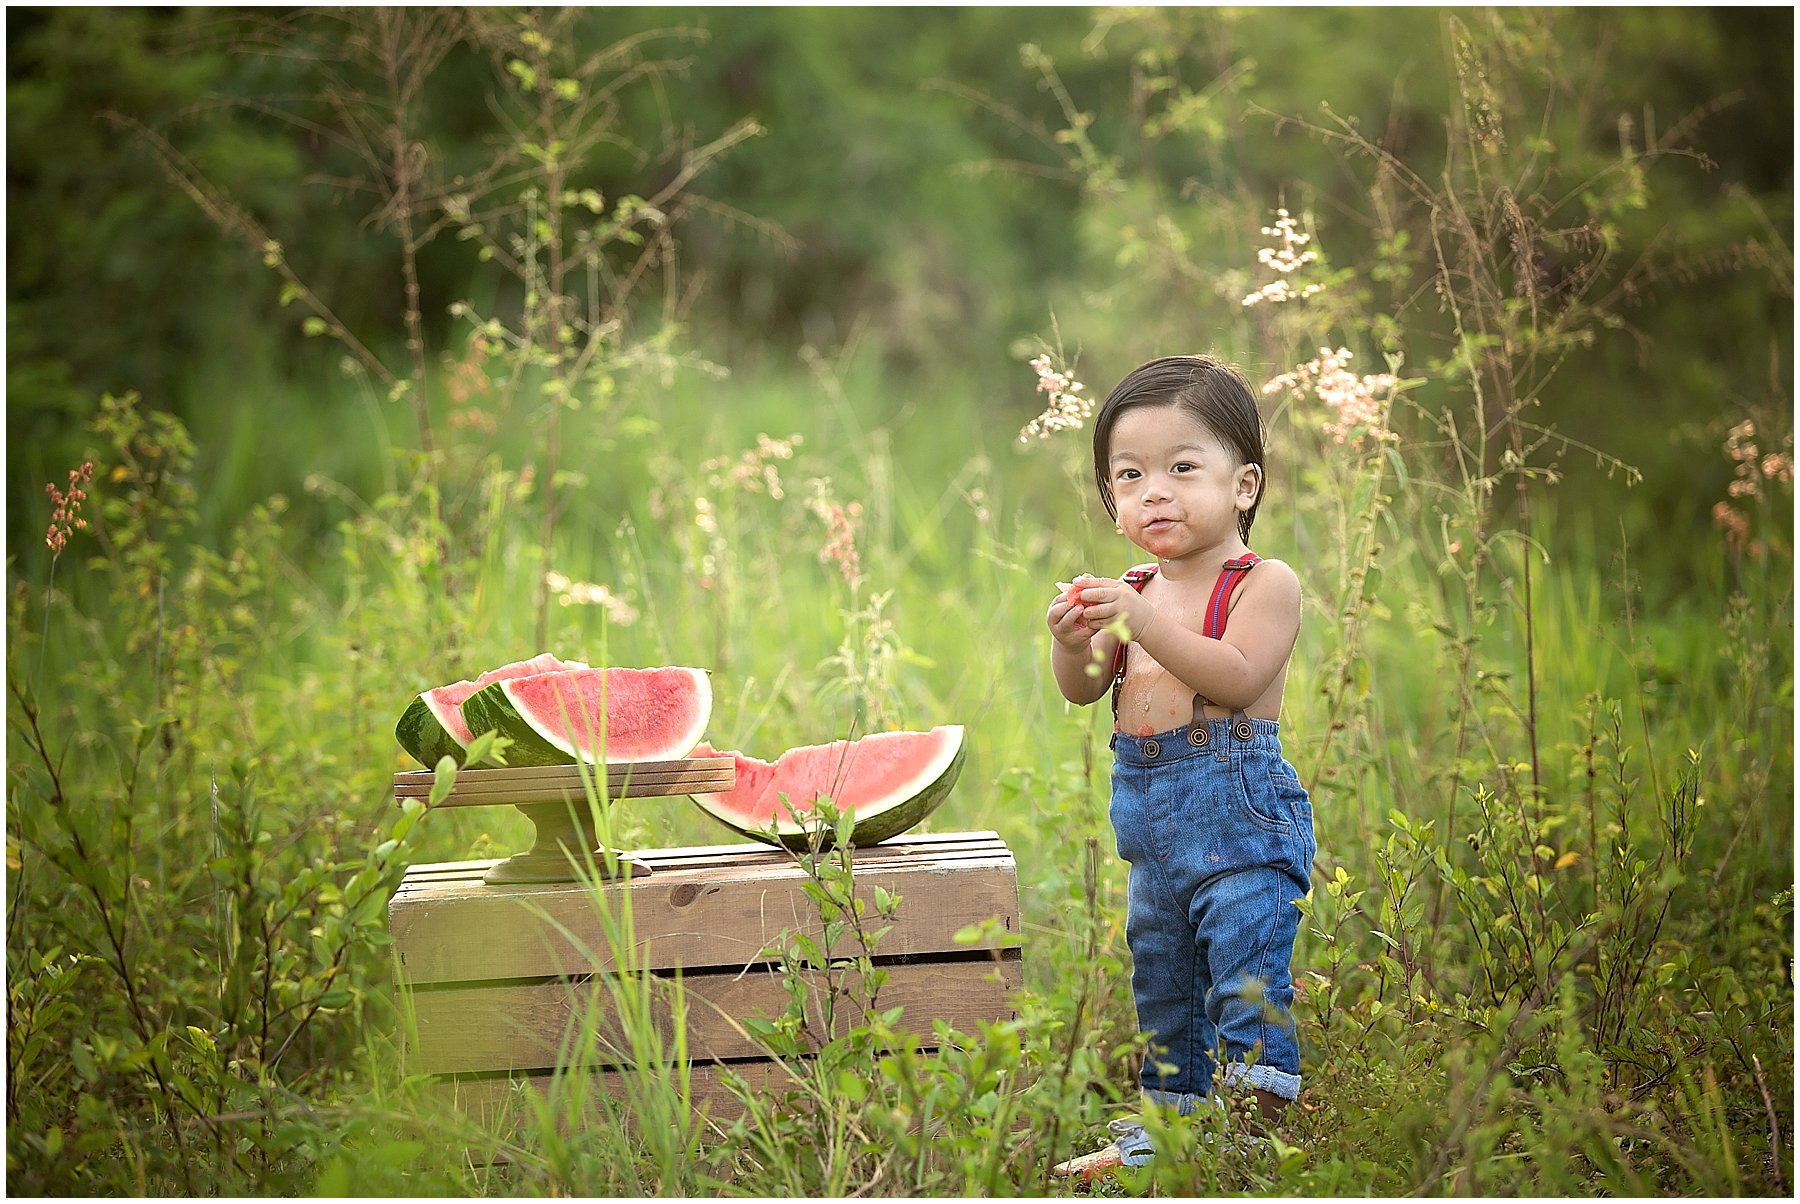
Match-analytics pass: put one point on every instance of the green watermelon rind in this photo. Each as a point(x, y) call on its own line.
point(491, 709)
point(868, 828)
point(421, 730)
point(422, 734)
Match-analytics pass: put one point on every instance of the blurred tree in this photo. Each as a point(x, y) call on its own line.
point(872, 205)
point(910, 191)
point(113, 279)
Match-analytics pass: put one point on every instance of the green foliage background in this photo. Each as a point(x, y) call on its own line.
point(882, 201)
point(1546, 713)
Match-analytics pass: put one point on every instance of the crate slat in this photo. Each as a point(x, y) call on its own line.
point(696, 778)
point(573, 773)
point(468, 875)
point(912, 847)
point(552, 783)
point(720, 912)
point(564, 794)
point(529, 1026)
point(497, 1104)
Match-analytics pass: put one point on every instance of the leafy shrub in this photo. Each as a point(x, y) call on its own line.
point(1554, 811)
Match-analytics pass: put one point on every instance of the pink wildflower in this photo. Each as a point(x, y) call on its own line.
point(1736, 526)
point(1752, 465)
point(1358, 403)
point(841, 522)
point(65, 516)
point(755, 470)
point(1751, 469)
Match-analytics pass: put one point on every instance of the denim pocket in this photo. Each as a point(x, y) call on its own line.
point(1293, 800)
point(1126, 811)
point(1260, 801)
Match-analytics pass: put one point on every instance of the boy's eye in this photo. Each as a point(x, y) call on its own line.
point(1184, 466)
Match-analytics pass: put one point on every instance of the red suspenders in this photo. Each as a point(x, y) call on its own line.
point(1218, 609)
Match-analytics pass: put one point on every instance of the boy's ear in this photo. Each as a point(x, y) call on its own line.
point(1249, 485)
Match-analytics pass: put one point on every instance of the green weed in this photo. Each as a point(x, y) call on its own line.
point(1548, 950)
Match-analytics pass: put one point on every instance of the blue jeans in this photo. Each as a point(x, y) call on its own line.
point(1219, 834)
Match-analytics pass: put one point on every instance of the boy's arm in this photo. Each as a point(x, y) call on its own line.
point(1234, 671)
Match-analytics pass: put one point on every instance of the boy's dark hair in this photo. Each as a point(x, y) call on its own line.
point(1214, 393)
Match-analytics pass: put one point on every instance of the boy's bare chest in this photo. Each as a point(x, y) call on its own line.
point(1185, 602)
point(1145, 679)
point(1153, 699)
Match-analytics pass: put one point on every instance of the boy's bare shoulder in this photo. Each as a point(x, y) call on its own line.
point(1277, 578)
point(1278, 568)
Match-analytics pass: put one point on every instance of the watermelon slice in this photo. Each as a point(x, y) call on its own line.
point(432, 725)
point(889, 781)
point(597, 716)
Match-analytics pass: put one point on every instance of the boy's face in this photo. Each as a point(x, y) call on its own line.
point(1178, 487)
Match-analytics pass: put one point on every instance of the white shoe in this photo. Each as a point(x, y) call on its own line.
point(1130, 1147)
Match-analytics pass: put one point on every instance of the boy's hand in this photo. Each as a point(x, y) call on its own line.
point(1067, 627)
point(1102, 600)
point(1067, 616)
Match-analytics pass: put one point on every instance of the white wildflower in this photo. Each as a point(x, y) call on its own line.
point(1067, 410)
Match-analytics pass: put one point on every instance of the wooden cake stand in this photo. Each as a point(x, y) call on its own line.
point(555, 799)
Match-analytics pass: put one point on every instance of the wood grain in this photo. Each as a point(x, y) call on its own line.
point(716, 906)
point(548, 783)
point(521, 979)
point(499, 1105)
point(538, 1026)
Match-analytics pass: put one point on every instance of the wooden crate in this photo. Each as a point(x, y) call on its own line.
point(502, 977)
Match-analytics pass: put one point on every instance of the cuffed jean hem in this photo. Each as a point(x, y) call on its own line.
point(1266, 1078)
point(1263, 1077)
point(1182, 1103)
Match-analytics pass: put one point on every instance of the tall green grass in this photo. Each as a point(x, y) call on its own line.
point(214, 731)
point(1548, 948)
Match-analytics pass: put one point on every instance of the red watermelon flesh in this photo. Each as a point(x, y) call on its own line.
point(446, 703)
point(543, 662)
point(433, 723)
point(889, 781)
point(458, 693)
point(596, 715)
